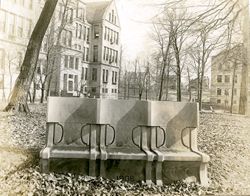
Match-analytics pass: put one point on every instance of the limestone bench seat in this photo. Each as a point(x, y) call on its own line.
point(123, 154)
point(136, 140)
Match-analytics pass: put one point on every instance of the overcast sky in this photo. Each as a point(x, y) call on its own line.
point(135, 16)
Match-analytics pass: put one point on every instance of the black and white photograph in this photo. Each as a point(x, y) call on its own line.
point(124, 97)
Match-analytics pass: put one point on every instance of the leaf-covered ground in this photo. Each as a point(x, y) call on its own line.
point(224, 137)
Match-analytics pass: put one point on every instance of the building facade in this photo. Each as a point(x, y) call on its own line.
point(226, 72)
point(17, 19)
point(80, 51)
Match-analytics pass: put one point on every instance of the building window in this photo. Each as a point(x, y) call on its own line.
point(113, 15)
point(67, 38)
point(87, 54)
point(226, 102)
point(77, 63)
point(116, 56)
point(77, 27)
point(2, 20)
point(107, 54)
point(218, 91)
point(104, 53)
point(117, 38)
point(226, 92)
point(83, 54)
point(60, 13)
point(220, 66)
point(66, 61)
point(76, 83)
point(86, 73)
point(71, 63)
point(80, 12)
point(11, 19)
point(2, 58)
point(70, 15)
point(82, 75)
point(93, 89)
point(105, 33)
point(105, 75)
point(218, 101)
point(20, 27)
point(80, 31)
point(96, 32)
point(88, 34)
point(94, 74)
point(108, 32)
point(84, 32)
point(235, 102)
point(70, 84)
point(114, 77)
point(65, 79)
point(95, 54)
point(227, 79)
point(219, 78)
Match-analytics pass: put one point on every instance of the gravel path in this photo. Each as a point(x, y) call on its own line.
point(225, 138)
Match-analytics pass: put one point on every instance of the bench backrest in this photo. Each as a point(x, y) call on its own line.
point(124, 116)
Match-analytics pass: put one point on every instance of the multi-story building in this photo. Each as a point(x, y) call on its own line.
point(80, 51)
point(88, 51)
point(226, 72)
point(17, 18)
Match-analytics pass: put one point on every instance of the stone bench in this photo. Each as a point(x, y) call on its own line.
point(125, 139)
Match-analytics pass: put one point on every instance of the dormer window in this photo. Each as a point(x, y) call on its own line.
point(113, 14)
point(96, 32)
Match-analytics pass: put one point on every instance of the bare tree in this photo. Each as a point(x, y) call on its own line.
point(19, 93)
point(162, 38)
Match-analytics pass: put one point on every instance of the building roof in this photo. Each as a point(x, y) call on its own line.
point(96, 10)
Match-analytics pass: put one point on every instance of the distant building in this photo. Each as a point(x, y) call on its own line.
point(226, 74)
point(83, 62)
point(194, 90)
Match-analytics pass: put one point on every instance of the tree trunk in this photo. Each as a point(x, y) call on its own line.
point(42, 93)
point(162, 79)
point(189, 86)
point(48, 87)
point(29, 95)
point(167, 80)
point(232, 90)
point(34, 92)
point(18, 100)
point(243, 89)
point(178, 74)
point(3, 91)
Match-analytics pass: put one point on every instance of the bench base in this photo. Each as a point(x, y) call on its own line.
point(131, 170)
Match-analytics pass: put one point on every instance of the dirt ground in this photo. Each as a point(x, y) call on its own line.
point(225, 138)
